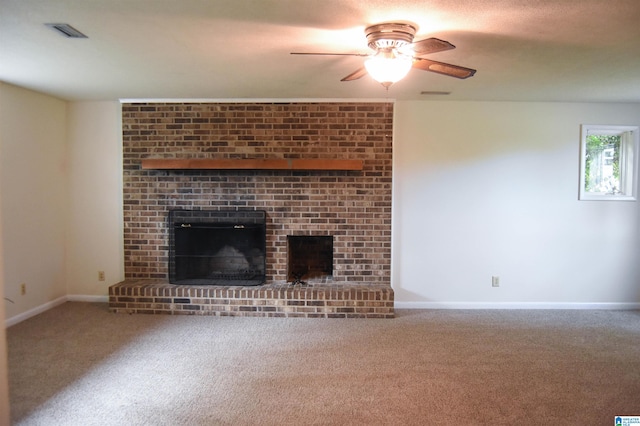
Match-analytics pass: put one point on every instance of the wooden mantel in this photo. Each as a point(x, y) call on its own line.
point(251, 164)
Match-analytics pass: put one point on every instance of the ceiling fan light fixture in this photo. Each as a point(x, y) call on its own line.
point(396, 53)
point(388, 67)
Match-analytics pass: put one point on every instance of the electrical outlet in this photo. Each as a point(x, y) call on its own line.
point(23, 289)
point(495, 281)
point(101, 276)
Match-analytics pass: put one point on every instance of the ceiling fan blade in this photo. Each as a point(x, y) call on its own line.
point(359, 73)
point(329, 54)
point(442, 68)
point(431, 45)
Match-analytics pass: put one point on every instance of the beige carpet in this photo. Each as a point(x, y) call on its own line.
point(78, 364)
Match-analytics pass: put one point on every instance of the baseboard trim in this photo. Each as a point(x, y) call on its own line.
point(35, 311)
point(50, 305)
point(516, 305)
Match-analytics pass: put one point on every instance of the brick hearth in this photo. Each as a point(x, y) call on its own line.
point(270, 300)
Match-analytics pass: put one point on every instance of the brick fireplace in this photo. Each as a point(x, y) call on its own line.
point(351, 208)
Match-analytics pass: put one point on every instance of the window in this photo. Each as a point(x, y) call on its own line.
point(609, 162)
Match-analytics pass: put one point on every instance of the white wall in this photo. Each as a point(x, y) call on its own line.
point(483, 189)
point(94, 237)
point(34, 196)
point(480, 189)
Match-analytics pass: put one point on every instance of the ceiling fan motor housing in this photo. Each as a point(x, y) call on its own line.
point(390, 35)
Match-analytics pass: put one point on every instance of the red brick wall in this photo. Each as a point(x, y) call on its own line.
point(353, 206)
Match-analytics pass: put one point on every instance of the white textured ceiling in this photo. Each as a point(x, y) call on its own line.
point(524, 50)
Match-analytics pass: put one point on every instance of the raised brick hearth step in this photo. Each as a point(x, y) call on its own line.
point(148, 296)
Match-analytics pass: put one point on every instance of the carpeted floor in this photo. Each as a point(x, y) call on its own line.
point(78, 364)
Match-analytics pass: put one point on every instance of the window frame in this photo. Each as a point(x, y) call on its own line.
point(629, 153)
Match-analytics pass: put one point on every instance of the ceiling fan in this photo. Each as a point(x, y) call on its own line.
point(395, 53)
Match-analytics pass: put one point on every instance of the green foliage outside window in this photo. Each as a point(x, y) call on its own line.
point(602, 174)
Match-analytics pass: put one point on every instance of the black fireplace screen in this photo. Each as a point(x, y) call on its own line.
point(217, 247)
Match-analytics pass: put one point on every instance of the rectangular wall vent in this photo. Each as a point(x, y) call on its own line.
point(434, 92)
point(67, 30)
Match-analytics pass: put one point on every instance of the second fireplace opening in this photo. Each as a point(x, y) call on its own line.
point(309, 258)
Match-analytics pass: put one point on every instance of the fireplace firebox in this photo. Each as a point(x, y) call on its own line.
point(217, 247)
point(309, 258)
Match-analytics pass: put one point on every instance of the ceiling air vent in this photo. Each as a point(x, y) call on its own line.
point(434, 92)
point(67, 30)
